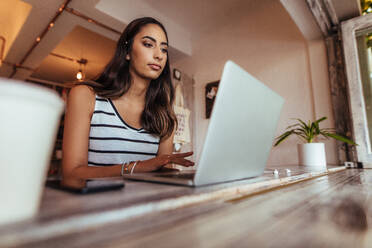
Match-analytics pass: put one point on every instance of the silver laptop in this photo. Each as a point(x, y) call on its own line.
point(240, 133)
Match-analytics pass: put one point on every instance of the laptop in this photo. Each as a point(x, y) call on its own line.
point(240, 133)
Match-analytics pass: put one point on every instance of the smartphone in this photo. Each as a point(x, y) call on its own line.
point(92, 186)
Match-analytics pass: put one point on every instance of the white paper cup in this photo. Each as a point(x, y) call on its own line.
point(29, 118)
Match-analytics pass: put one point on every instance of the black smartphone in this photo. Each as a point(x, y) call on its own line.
point(92, 186)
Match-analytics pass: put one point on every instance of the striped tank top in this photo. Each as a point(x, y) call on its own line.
point(113, 141)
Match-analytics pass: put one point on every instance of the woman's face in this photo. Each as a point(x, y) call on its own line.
point(149, 52)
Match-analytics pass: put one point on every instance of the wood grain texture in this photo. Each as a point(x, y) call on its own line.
point(331, 11)
point(321, 16)
point(63, 214)
point(339, 96)
point(330, 211)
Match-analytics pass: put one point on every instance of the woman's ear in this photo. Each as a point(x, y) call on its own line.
point(127, 57)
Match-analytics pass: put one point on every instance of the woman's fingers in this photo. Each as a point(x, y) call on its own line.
point(182, 161)
point(182, 155)
point(176, 158)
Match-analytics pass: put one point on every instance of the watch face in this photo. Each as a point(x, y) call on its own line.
point(176, 74)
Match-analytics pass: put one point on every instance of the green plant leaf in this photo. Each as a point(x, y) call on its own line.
point(282, 137)
point(316, 125)
point(313, 129)
point(300, 131)
point(284, 134)
point(308, 132)
point(304, 126)
point(327, 130)
point(294, 125)
point(317, 129)
point(339, 137)
point(321, 119)
point(301, 135)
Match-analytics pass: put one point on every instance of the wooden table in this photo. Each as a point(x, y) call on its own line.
point(330, 210)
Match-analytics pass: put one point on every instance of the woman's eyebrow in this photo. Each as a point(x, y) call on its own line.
point(154, 40)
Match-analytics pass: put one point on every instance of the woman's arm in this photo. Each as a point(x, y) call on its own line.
point(80, 107)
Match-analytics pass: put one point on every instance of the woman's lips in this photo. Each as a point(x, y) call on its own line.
point(155, 67)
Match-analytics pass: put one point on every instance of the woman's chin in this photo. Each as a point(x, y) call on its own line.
point(152, 76)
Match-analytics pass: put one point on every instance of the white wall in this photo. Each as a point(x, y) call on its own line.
point(265, 41)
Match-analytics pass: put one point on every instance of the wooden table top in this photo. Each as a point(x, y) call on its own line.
point(226, 214)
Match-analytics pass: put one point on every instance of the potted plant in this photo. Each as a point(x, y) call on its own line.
point(311, 153)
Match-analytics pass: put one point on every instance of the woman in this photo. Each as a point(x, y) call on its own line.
point(124, 121)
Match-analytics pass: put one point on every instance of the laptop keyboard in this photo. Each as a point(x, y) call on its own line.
point(183, 176)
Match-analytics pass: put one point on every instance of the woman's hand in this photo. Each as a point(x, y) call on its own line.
point(164, 159)
point(175, 158)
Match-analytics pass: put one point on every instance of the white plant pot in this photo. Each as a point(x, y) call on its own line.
point(312, 154)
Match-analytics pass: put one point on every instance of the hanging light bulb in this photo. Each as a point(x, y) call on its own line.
point(79, 75)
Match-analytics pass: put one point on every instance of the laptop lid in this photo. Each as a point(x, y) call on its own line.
point(241, 129)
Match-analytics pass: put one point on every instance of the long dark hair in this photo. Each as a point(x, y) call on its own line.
point(158, 116)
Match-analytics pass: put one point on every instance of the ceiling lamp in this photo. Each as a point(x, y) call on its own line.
point(80, 74)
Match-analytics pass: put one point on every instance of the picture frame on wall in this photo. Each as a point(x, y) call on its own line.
point(210, 94)
point(176, 74)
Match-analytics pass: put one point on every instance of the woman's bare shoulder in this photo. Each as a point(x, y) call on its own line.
point(82, 91)
point(82, 96)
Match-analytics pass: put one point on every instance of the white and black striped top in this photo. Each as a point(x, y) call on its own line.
point(113, 141)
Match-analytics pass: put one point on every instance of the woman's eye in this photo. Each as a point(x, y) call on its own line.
point(164, 50)
point(147, 44)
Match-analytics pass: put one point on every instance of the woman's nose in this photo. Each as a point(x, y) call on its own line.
point(158, 54)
